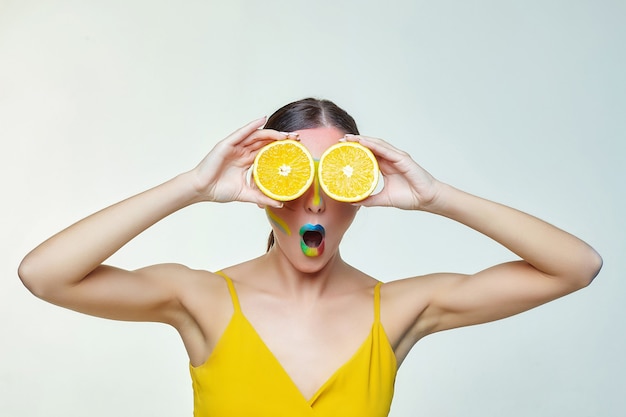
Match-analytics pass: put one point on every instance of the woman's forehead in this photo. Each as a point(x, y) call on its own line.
point(318, 139)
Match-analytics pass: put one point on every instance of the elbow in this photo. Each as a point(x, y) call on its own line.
point(596, 266)
point(589, 269)
point(32, 278)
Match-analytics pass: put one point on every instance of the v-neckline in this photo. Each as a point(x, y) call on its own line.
point(238, 313)
point(282, 369)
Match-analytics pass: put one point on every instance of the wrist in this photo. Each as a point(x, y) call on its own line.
point(188, 188)
point(437, 201)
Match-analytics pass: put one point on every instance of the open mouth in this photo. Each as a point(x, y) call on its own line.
point(312, 239)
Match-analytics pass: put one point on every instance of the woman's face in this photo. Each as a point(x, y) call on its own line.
point(308, 230)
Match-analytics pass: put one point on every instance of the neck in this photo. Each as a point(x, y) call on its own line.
point(305, 280)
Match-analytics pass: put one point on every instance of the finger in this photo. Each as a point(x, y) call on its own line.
point(379, 147)
point(262, 137)
point(370, 140)
point(387, 167)
point(247, 154)
point(376, 200)
point(243, 132)
point(252, 146)
point(269, 135)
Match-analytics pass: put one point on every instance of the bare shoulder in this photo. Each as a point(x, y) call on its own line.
point(187, 283)
point(197, 289)
point(189, 295)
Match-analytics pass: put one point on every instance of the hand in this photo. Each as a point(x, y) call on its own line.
point(407, 185)
point(222, 175)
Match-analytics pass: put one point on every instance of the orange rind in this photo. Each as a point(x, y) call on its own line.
point(348, 172)
point(283, 170)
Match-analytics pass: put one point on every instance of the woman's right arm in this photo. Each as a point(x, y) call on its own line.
point(67, 268)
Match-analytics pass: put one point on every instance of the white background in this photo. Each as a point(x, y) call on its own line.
point(522, 102)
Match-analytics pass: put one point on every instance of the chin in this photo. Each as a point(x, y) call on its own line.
point(306, 264)
point(311, 264)
point(313, 269)
point(306, 259)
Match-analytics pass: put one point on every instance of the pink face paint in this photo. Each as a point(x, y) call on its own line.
point(312, 239)
point(277, 221)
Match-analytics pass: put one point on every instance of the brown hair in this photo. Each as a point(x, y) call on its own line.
point(309, 113)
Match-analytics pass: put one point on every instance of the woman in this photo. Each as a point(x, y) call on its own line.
point(288, 333)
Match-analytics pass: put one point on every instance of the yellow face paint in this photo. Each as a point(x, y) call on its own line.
point(317, 200)
point(277, 221)
point(317, 196)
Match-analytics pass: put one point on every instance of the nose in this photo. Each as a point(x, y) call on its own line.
point(314, 201)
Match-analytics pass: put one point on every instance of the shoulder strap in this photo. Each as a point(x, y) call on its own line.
point(231, 289)
point(377, 302)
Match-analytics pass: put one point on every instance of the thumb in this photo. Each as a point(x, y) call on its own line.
point(368, 202)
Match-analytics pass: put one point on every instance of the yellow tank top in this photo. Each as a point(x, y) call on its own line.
point(242, 378)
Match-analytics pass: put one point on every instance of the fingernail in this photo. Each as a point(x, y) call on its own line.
point(293, 135)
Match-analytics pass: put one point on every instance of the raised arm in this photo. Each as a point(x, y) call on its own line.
point(553, 262)
point(67, 268)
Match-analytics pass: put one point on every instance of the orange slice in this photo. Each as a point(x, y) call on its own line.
point(283, 170)
point(348, 172)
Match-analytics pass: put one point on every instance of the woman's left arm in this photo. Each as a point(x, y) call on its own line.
point(553, 262)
